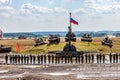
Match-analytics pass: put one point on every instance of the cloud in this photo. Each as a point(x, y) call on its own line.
point(80, 11)
point(60, 10)
point(100, 6)
point(4, 2)
point(33, 9)
point(5, 9)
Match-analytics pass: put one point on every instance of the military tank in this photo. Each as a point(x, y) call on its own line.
point(53, 39)
point(107, 42)
point(70, 35)
point(39, 42)
point(86, 38)
point(4, 49)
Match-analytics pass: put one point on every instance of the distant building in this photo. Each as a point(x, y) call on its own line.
point(1, 34)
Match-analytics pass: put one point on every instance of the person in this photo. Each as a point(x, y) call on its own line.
point(49, 57)
point(110, 57)
point(38, 58)
point(103, 58)
point(41, 59)
point(21, 59)
point(44, 59)
point(6, 59)
point(31, 59)
point(52, 58)
point(92, 58)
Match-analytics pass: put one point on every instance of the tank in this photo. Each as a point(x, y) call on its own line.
point(39, 42)
point(107, 42)
point(53, 39)
point(4, 49)
point(72, 37)
point(22, 37)
point(86, 38)
point(69, 50)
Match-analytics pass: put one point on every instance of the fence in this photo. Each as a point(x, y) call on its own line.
point(54, 59)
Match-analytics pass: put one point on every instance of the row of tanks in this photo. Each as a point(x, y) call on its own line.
point(54, 39)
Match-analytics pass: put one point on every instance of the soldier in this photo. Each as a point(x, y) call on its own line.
point(61, 59)
point(10, 59)
point(13, 58)
point(6, 59)
point(97, 56)
point(103, 58)
point(38, 57)
point(41, 59)
point(44, 59)
point(100, 57)
point(110, 56)
point(49, 57)
point(116, 58)
point(82, 59)
point(24, 57)
point(52, 58)
point(86, 58)
point(56, 59)
point(92, 58)
point(21, 59)
point(89, 57)
point(76, 59)
point(31, 59)
point(27, 57)
point(18, 59)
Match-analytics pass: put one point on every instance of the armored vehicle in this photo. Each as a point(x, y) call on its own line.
point(70, 35)
point(22, 37)
point(86, 38)
point(107, 42)
point(53, 39)
point(39, 42)
point(4, 49)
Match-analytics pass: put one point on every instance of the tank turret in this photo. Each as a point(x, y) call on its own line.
point(70, 35)
point(39, 42)
point(4, 49)
point(107, 42)
point(86, 38)
point(53, 39)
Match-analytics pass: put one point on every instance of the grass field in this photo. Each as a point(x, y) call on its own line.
point(27, 46)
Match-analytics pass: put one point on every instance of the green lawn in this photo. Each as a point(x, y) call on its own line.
point(94, 46)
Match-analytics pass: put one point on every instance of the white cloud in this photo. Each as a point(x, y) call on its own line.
point(33, 9)
point(80, 11)
point(5, 9)
point(4, 2)
point(59, 10)
point(103, 7)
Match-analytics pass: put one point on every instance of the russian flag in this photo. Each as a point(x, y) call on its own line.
point(73, 21)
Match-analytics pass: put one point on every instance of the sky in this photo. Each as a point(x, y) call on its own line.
point(53, 15)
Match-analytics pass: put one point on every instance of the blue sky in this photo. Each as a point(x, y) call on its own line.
point(53, 15)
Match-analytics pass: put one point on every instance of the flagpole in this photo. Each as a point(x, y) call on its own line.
point(70, 23)
point(70, 31)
